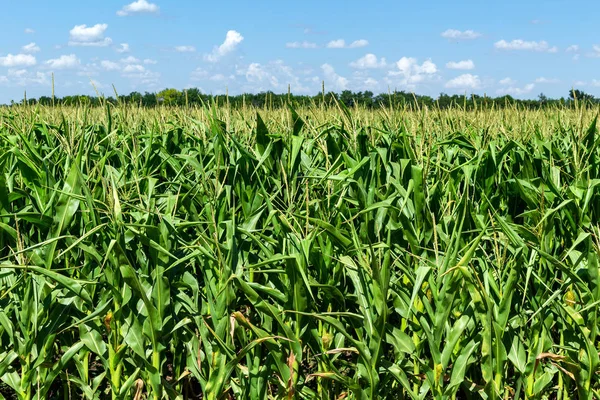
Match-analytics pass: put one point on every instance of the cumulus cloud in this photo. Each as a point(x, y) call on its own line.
point(460, 35)
point(371, 83)
point(595, 51)
point(31, 48)
point(412, 72)
point(256, 73)
point(110, 65)
point(29, 31)
point(82, 35)
point(341, 44)
point(149, 61)
point(232, 40)
point(332, 78)
point(369, 61)
point(574, 48)
point(547, 80)
point(254, 77)
point(514, 90)
point(519, 44)
point(199, 74)
point(464, 65)
point(123, 48)
point(138, 7)
point(17, 60)
point(465, 81)
point(17, 73)
point(22, 77)
point(221, 78)
point(507, 81)
point(133, 68)
point(64, 62)
point(274, 75)
point(301, 45)
point(130, 60)
point(358, 43)
point(185, 49)
point(140, 75)
point(336, 44)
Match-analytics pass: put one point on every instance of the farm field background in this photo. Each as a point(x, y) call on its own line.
point(310, 253)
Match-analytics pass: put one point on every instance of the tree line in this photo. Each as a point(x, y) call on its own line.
point(367, 99)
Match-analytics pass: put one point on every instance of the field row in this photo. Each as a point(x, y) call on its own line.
point(317, 254)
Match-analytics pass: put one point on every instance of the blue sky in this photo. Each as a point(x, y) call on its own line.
point(520, 48)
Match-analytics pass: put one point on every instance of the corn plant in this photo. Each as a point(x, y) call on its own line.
point(313, 253)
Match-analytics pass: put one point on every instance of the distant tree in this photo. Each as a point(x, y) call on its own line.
point(134, 98)
point(45, 100)
point(149, 99)
point(172, 97)
point(580, 95)
point(194, 96)
point(367, 98)
point(347, 97)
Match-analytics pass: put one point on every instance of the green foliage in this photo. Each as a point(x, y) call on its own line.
point(299, 253)
point(367, 99)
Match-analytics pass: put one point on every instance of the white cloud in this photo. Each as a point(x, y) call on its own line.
point(517, 91)
point(301, 45)
point(29, 31)
point(133, 68)
point(507, 81)
point(413, 73)
point(232, 40)
point(64, 62)
point(465, 65)
point(336, 44)
point(110, 65)
point(95, 84)
point(185, 49)
point(595, 51)
point(368, 61)
point(149, 61)
point(138, 7)
point(222, 78)
point(141, 76)
point(465, 81)
point(22, 77)
point(547, 80)
point(123, 48)
point(371, 83)
point(519, 44)
point(254, 77)
point(82, 35)
point(17, 73)
point(17, 60)
point(341, 44)
point(30, 48)
point(199, 74)
point(129, 60)
point(463, 35)
point(332, 78)
point(358, 43)
point(257, 74)
point(574, 48)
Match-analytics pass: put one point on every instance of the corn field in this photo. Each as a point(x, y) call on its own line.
point(317, 253)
